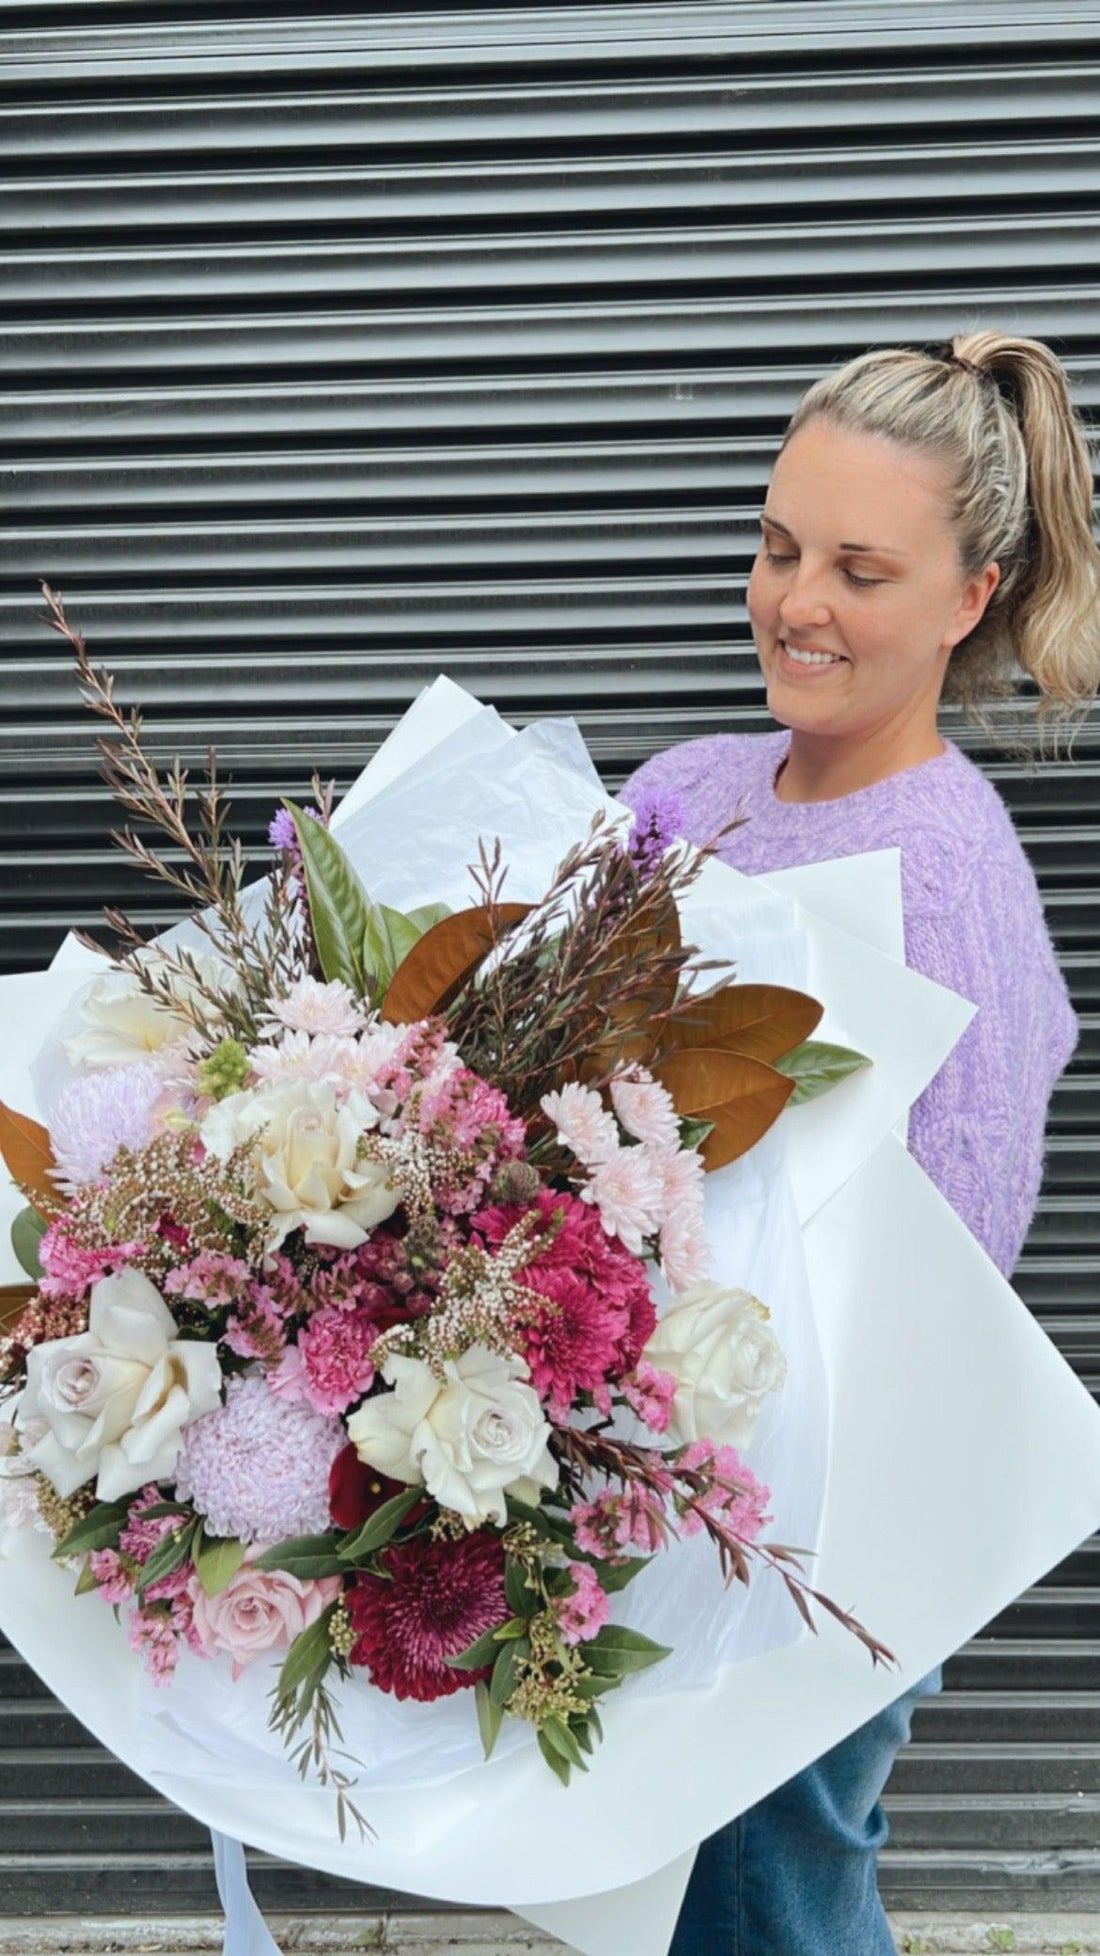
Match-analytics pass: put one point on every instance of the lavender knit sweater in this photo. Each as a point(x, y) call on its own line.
point(973, 921)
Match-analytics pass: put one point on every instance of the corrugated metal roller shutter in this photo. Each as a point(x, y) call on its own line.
point(340, 351)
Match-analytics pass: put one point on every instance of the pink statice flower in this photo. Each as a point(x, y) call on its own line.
point(99, 1113)
point(158, 1635)
point(626, 1190)
point(583, 1123)
point(586, 1611)
point(114, 1578)
point(312, 1007)
point(650, 1392)
point(334, 1350)
point(144, 1532)
point(70, 1270)
point(646, 1109)
point(257, 1468)
point(612, 1524)
point(213, 1277)
point(256, 1328)
point(730, 1491)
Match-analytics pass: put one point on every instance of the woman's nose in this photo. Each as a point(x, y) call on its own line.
point(804, 600)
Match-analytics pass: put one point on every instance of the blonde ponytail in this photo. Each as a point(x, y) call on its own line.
point(997, 409)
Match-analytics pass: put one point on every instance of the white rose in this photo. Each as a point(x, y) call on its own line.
point(125, 1024)
point(305, 1154)
point(115, 1398)
point(725, 1358)
point(470, 1438)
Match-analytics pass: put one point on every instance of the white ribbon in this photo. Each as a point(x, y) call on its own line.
point(246, 1932)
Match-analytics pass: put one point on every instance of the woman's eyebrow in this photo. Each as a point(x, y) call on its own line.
point(859, 549)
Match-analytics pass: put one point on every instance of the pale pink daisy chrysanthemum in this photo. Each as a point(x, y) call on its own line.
point(583, 1123)
point(646, 1109)
point(331, 1058)
point(310, 1006)
point(626, 1189)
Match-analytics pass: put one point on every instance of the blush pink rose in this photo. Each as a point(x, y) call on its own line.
point(260, 1611)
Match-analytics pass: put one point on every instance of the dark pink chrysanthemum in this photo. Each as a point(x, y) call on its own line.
point(435, 1599)
point(603, 1309)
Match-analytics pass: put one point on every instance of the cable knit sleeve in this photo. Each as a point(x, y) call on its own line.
point(974, 922)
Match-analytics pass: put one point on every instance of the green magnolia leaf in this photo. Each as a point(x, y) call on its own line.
point(304, 1556)
point(694, 1131)
point(338, 903)
point(817, 1066)
point(217, 1560)
point(389, 936)
point(614, 1576)
point(614, 1652)
point(553, 1758)
point(98, 1529)
point(168, 1556)
point(489, 1718)
point(379, 1527)
point(27, 1232)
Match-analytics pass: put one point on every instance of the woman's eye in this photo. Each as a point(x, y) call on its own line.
point(774, 557)
point(864, 583)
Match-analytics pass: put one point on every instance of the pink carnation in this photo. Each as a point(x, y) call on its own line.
point(70, 1270)
point(585, 1612)
point(334, 1349)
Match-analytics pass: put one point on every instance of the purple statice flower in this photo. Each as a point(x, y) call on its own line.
point(101, 1112)
point(658, 820)
point(257, 1468)
point(282, 834)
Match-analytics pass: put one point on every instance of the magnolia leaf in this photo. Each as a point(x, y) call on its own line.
point(27, 1232)
point(742, 1096)
point(616, 1651)
point(99, 1528)
point(338, 903)
point(217, 1561)
point(25, 1146)
point(433, 973)
point(388, 938)
point(14, 1299)
point(489, 1717)
point(379, 1527)
point(761, 1021)
point(305, 1556)
point(815, 1067)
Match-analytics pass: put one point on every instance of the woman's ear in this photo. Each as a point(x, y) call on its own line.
point(976, 595)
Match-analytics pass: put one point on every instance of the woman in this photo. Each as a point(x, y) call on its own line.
point(927, 530)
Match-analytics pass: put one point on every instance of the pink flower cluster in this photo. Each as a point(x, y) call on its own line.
point(729, 1491)
point(612, 1524)
point(647, 1187)
point(586, 1611)
point(599, 1309)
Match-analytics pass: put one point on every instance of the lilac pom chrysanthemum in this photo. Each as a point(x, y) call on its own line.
point(100, 1113)
point(257, 1467)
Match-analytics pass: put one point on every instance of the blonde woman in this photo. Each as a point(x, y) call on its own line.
point(926, 535)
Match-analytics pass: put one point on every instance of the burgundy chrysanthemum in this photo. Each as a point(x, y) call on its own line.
point(434, 1600)
point(604, 1312)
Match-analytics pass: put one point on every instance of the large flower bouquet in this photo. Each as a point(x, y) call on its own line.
point(342, 1342)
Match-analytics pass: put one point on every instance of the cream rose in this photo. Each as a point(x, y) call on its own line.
point(124, 1023)
point(720, 1349)
point(259, 1611)
point(115, 1398)
point(305, 1149)
point(469, 1438)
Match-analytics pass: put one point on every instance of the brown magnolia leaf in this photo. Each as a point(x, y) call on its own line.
point(761, 1021)
point(744, 1097)
point(14, 1299)
point(25, 1146)
point(433, 973)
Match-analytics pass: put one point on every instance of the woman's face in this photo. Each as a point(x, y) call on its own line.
point(857, 562)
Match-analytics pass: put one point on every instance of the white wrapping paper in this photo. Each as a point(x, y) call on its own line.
point(964, 1457)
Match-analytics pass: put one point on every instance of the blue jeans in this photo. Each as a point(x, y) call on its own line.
point(797, 1874)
